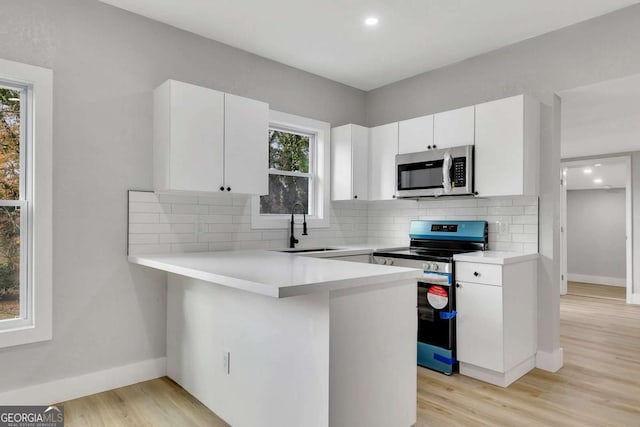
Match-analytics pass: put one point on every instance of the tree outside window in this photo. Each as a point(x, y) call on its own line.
point(291, 172)
point(10, 136)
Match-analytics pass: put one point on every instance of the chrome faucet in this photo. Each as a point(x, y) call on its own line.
point(292, 237)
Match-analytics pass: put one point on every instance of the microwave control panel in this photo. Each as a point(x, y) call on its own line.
point(459, 172)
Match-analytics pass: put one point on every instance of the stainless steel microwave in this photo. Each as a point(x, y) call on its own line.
point(433, 173)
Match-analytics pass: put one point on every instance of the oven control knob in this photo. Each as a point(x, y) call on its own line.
point(434, 267)
point(389, 262)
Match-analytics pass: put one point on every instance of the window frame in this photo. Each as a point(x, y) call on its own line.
point(311, 175)
point(319, 156)
point(35, 201)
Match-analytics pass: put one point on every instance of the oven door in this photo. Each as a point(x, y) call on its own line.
point(436, 315)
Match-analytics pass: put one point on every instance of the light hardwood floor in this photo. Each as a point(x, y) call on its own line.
point(599, 385)
point(596, 291)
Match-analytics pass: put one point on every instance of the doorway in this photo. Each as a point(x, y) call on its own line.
point(596, 229)
point(600, 130)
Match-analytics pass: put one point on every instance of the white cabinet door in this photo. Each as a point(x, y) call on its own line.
point(499, 150)
point(246, 149)
point(479, 325)
point(360, 160)
point(349, 162)
point(415, 135)
point(507, 134)
point(454, 128)
point(188, 137)
point(383, 147)
point(341, 163)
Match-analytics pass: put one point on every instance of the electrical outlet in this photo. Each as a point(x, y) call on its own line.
point(227, 362)
point(503, 226)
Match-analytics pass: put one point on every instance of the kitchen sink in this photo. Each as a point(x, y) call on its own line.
point(297, 251)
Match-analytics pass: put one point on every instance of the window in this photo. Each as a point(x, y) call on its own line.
point(291, 172)
point(13, 239)
point(25, 214)
point(298, 172)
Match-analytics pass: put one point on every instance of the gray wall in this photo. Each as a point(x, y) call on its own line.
point(589, 52)
point(596, 230)
point(106, 62)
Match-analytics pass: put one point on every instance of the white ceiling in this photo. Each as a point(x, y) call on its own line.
point(328, 37)
point(613, 175)
point(602, 118)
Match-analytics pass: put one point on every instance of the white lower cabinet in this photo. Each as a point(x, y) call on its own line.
point(497, 320)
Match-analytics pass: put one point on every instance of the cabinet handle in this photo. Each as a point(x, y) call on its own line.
point(393, 197)
point(228, 188)
point(429, 147)
point(475, 273)
point(434, 146)
point(458, 285)
point(355, 197)
point(221, 188)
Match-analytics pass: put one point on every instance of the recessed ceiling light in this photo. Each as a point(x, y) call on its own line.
point(598, 165)
point(587, 171)
point(597, 181)
point(371, 21)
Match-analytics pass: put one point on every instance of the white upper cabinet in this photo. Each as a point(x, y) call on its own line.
point(349, 162)
point(383, 147)
point(415, 135)
point(454, 128)
point(188, 139)
point(507, 150)
point(246, 148)
point(205, 141)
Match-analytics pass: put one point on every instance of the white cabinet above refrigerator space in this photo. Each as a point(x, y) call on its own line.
point(507, 150)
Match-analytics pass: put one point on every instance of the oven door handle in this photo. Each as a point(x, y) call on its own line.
point(448, 315)
point(435, 279)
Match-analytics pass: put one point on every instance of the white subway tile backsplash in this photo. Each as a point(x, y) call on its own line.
point(187, 223)
point(138, 207)
point(149, 228)
point(505, 210)
point(531, 210)
point(143, 196)
point(222, 200)
point(189, 209)
point(189, 247)
point(177, 219)
point(144, 239)
point(525, 219)
point(143, 218)
point(178, 238)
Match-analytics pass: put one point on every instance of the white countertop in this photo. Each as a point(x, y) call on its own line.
point(274, 274)
point(495, 257)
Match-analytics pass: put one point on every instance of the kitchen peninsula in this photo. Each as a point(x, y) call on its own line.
point(305, 341)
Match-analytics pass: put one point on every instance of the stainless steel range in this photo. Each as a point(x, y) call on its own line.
point(433, 245)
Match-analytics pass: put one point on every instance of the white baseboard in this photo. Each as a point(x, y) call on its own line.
point(84, 385)
point(550, 361)
point(635, 299)
point(501, 379)
point(597, 280)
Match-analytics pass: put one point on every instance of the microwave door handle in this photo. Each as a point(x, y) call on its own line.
point(446, 172)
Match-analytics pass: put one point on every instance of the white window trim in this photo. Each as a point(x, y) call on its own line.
point(322, 132)
point(38, 143)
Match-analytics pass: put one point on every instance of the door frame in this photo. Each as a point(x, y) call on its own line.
point(628, 220)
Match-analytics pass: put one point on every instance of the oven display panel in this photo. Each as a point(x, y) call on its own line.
point(445, 228)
